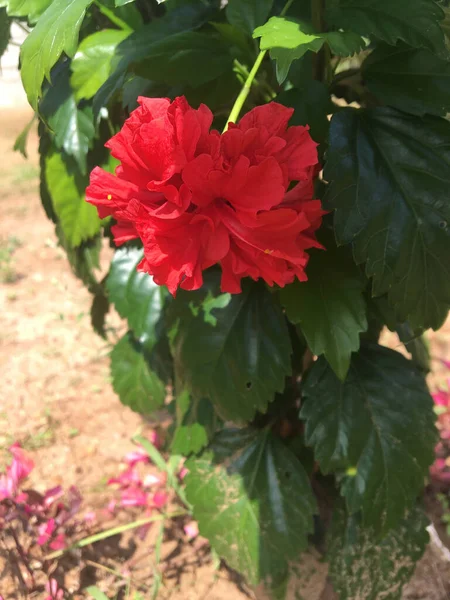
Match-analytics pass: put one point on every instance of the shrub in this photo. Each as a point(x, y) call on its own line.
point(241, 260)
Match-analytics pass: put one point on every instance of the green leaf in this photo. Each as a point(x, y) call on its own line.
point(73, 128)
point(390, 175)
point(236, 352)
point(411, 79)
point(329, 307)
point(139, 45)
point(360, 568)
point(99, 309)
point(416, 22)
point(56, 32)
point(32, 9)
point(253, 501)
point(84, 259)
point(186, 58)
point(136, 384)
point(79, 220)
point(312, 103)
point(289, 39)
point(198, 423)
point(135, 295)
point(92, 64)
point(20, 145)
point(248, 14)
point(4, 31)
point(376, 428)
point(122, 2)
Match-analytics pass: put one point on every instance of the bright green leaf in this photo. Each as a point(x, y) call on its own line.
point(135, 295)
point(91, 65)
point(289, 39)
point(136, 384)
point(248, 14)
point(197, 426)
point(253, 501)
point(79, 220)
point(32, 9)
point(56, 32)
point(416, 22)
point(122, 2)
point(20, 145)
point(96, 593)
point(239, 362)
point(329, 307)
point(360, 568)
point(377, 426)
point(411, 79)
point(390, 175)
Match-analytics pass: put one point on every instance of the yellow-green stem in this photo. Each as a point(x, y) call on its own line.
point(112, 17)
point(243, 95)
point(102, 535)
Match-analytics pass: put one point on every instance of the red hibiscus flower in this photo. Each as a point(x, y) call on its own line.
point(243, 199)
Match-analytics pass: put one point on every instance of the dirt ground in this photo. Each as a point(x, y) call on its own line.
point(56, 399)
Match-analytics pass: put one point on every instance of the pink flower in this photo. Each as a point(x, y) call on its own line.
point(53, 590)
point(160, 499)
point(150, 480)
point(154, 439)
point(126, 478)
point(90, 517)
point(191, 530)
point(133, 496)
point(19, 469)
point(52, 495)
point(136, 456)
point(45, 531)
point(183, 472)
point(59, 543)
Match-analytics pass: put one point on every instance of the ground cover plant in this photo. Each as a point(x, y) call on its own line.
point(275, 180)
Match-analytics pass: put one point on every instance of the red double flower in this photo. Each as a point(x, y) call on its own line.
point(196, 197)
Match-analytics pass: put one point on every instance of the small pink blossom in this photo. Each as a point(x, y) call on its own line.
point(59, 543)
point(191, 530)
point(133, 496)
point(159, 499)
point(52, 495)
point(136, 456)
point(183, 472)
point(19, 469)
point(45, 531)
point(150, 480)
point(90, 517)
point(154, 439)
point(53, 590)
point(126, 478)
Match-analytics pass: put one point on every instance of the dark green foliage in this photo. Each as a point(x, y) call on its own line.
point(358, 421)
point(360, 428)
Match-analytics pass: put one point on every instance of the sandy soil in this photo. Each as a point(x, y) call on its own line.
point(56, 398)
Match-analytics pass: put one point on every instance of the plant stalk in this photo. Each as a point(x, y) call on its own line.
point(243, 95)
point(103, 535)
point(120, 23)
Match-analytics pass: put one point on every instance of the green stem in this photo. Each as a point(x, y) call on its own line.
point(114, 531)
point(243, 95)
point(112, 17)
